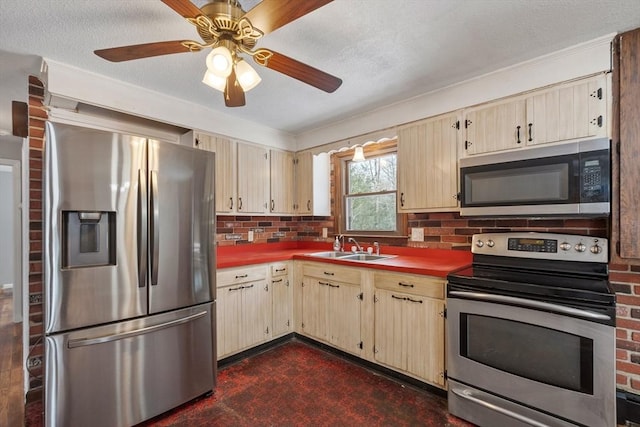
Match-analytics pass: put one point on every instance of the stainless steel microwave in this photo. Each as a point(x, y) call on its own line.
point(572, 178)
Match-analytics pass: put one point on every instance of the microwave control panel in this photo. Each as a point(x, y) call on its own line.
point(594, 177)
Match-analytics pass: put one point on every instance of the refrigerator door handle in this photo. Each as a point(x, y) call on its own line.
point(142, 229)
point(154, 228)
point(83, 342)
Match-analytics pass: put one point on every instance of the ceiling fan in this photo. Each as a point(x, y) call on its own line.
point(229, 32)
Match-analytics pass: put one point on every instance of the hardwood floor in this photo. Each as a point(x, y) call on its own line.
point(11, 380)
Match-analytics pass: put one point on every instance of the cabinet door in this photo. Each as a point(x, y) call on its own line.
point(225, 184)
point(343, 316)
point(304, 183)
point(570, 111)
point(228, 316)
point(256, 314)
point(253, 179)
point(428, 165)
point(389, 329)
point(281, 182)
point(314, 316)
point(282, 302)
point(495, 127)
point(425, 338)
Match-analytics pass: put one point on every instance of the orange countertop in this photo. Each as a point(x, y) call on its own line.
point(431, 262)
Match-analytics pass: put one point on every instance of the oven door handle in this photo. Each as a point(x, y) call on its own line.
point(466, 394)
point(531, 304)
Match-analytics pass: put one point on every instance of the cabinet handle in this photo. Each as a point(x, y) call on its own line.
point(273, 205)
point(278, 270)
point(248, 287)
point(402, 199)
point(239, 203)
point(236, 289)
point(530, 132)
point(308, 205)
point(406, 285)
point(328, 273)
point(333, 286)
point(230, 202)
point(242, 276)
point(467, 144)
point(414, 300)
point(518, 134)
point(324, 283)
point(276, 281)
point(400, 298)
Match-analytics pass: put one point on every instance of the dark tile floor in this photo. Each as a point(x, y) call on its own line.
point(297, 384)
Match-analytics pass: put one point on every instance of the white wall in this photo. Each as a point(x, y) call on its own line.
point(578, 61)
point(6, 226)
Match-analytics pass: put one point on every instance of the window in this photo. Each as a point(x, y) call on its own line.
point(366, 202)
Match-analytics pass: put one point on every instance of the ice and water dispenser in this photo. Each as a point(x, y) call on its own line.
point(88, 239)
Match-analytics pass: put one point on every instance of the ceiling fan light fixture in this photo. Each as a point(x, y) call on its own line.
point(247, 76)
point(358, 155)
point(216, 82)
point(220, 62)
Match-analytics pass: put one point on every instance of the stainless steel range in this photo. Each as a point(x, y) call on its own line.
point(531, 332)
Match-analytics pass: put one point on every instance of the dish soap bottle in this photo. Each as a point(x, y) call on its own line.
point(336, 244)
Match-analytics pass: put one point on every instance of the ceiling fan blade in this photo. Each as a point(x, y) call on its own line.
point(269, 15)
point(303, 72)
point(233, 93)
point(183, 7)
point(137, 51)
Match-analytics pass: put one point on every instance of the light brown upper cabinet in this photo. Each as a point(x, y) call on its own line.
point(568, 111)
point(281, 190)
point(303, 203)
point(253, 179)
point(427, 164)
point(225, 184)
point(495, 126)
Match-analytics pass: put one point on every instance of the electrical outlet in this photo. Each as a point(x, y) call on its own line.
point(417, 234)
point(324, 232)
point(250, 236)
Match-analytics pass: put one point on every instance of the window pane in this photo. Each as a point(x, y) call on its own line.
point(371, 213)
point(373, 175)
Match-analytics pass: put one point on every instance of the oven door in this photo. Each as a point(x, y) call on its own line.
point(556, 364)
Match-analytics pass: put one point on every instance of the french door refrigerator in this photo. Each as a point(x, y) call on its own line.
point(129, 276)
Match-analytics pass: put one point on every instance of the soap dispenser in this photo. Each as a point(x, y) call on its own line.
point(336, 244)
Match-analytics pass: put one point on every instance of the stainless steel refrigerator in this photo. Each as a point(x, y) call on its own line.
point(129, 279)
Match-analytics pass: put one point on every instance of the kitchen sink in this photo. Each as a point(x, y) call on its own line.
point(350, 256)
point(365, 257)
point(332, 254)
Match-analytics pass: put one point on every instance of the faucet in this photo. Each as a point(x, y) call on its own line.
point(341, 238)
point(352, 240)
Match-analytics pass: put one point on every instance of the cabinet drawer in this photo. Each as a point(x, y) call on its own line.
point(241, 275)
point(409, 283)
point(280, 269)
point(328, 271)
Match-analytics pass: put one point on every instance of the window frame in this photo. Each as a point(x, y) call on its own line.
point(339, 163)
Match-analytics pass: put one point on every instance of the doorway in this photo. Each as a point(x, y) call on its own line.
point(12, 288)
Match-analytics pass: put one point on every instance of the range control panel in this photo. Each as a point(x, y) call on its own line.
point(551, 246)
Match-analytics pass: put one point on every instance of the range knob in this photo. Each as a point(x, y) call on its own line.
point(491, 243)
point(581, 247)
point(565, 246)
point(596, 249)
point(479, 243)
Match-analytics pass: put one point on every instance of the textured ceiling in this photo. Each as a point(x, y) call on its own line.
point(384, 50)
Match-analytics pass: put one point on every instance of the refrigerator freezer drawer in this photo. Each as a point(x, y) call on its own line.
point(125, 373)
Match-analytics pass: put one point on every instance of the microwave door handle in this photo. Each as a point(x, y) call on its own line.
point(586, 314)
point(141, 225)
point(154, 227)
point(466, 394)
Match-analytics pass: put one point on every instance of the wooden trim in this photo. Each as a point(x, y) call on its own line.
point(20, 119)
point(337, 161)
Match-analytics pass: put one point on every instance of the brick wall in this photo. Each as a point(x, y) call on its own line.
point(37, 117)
